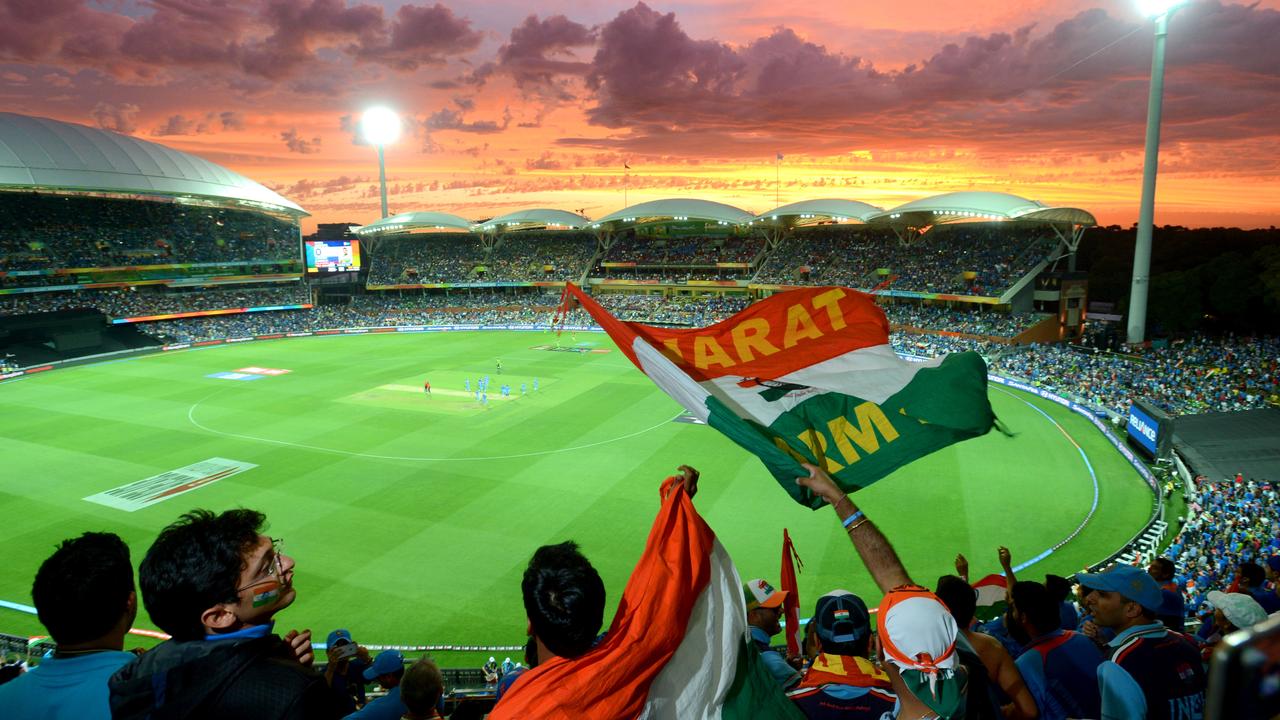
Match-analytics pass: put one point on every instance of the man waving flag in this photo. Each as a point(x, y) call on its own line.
point(808, 376)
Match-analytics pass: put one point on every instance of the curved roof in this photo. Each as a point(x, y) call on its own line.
point(44, 154)
point(971, 206)
point(537, 217)
point(825, 209)
point(676, 209)
point(410, 221)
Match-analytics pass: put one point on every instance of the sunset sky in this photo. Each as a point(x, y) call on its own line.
point(510, 104)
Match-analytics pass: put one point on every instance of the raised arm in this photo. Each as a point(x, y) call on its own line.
point(873, 547)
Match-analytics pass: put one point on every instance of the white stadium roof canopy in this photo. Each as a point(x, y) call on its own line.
point(535, 218)
point(675, 209)
point(416, 221)
point(825, 209)
point(979, 206)
point(50, 155)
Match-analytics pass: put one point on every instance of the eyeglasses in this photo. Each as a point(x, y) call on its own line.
point(274, 570)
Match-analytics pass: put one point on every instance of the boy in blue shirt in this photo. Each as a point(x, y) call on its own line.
point(85, 598)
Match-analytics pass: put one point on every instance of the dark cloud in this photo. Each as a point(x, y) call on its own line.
point(540, 52)
point(543, 162)
point(231, 120)
point(450, 119)
point(180, 125)
point(1059, 90)
point(119, 117)
point(422, 36)
point(298, 144)
point(306, 188)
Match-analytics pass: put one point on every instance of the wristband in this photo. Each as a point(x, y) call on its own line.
point(852, 519)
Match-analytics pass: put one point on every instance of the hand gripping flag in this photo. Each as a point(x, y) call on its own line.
point(808, 376)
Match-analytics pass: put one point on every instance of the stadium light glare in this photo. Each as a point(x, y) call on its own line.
point(1156, 8)
point(380, 126)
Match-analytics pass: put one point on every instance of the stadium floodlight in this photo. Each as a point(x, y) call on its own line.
point(1136, 332)
point(1156, 8)
point(381, 127)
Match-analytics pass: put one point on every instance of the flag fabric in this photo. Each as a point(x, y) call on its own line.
point(787, 579)
point(991, 597)
point(677, 647)
point(626, 166)
point(779, 156)
point(808, 375)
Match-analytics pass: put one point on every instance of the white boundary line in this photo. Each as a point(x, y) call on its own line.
point(414, 458)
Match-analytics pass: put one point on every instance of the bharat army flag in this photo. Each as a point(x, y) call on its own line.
point(808, 375)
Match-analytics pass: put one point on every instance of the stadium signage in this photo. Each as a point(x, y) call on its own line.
point(158, 488)
point(1145, 429)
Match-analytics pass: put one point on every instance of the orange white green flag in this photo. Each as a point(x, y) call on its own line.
point(676, 649)
point(808, 375)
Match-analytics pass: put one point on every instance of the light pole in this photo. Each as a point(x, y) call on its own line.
point(1161, 10)
point(380, 127)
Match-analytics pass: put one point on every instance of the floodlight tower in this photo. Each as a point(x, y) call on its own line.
point(1161, 10)
point(381, 127)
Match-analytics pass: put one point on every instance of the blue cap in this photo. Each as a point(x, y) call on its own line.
point(388, 662)
point(1273, 562)
point(336, 635)
point(841, 617)
point(1132, 583)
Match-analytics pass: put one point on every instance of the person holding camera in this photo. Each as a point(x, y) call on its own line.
point(344, 671)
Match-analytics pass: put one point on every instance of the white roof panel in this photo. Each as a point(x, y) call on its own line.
point(42, 154)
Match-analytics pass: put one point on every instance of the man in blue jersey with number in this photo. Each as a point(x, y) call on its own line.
point(1151, 672)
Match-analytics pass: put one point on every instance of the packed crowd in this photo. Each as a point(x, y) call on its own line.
point(44, 232)
point(970, 322)
point(938, 262)
point(155, 300)
point(437, 258)
point(220, 588)
point(1230, 540)
point(1191, 376)
point(540, 256)
point(685, 251)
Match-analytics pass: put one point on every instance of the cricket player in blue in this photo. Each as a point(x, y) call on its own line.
point(524, 387)
point(466, 385)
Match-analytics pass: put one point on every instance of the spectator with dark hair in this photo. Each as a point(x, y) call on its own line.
point(764, 613)
point(1060, 590)
point(420, 689)
point(564, 601)
point(388, 670)
point(1253, 582)
point(961, 600)
point(842, 682)
point(215, 583)
point(84, 597)
point(1150, 671)
point(1060, 667)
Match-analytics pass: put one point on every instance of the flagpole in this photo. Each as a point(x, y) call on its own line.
point(777, 180)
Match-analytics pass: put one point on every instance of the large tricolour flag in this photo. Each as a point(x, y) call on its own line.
point(808, 375)
point(676, 648)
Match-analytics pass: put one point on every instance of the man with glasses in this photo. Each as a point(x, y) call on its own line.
point(215, 583)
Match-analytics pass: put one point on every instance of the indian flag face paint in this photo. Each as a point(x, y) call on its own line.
point(268, 595)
